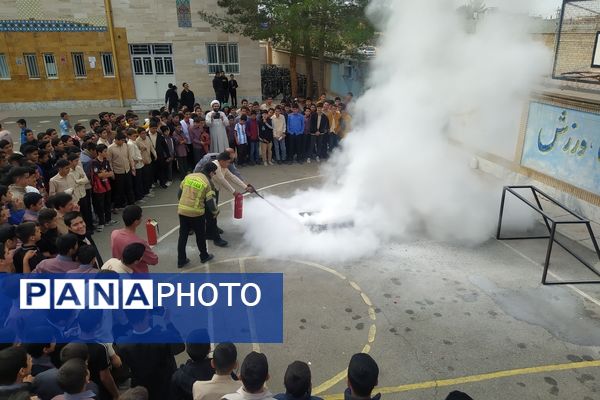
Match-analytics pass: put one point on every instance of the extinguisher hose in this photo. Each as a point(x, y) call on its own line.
point(278, 209)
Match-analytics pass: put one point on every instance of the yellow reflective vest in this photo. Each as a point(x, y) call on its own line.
point(195, 191)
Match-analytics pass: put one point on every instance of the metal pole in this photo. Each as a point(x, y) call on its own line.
point(501, 212)
point(113, 45)
point(548, 253)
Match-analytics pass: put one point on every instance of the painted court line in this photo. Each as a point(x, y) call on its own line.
point(477, 378)
point(555, 276)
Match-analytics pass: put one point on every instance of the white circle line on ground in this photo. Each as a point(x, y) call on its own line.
point(555, 276)
point(163, 237)
point(329, 383)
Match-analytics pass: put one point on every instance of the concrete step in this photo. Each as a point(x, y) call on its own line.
point(146, 105)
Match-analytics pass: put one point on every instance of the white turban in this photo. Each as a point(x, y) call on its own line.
point(212, 103)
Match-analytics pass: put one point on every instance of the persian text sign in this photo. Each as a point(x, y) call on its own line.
point(565, 144)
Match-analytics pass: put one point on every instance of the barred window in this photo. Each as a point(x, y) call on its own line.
point(50, 65)
point(4, 71)
point(32, 66)
point(107, 65)
point(223, 57)
point(78, 65)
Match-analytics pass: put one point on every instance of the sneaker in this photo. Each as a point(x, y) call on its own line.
point(168, 183)
point(318, 160)
point(164, 186)
point(150, 195)
point(99, 228)
point(265, 164)
point(153, 185)
point(308, 160)
point(271, 163)
point(220, 243)
point(184, 263)
point(142, 201)
point(207, 258)
point(111, 222)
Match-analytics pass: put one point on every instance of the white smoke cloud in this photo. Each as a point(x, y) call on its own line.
point(398, 176)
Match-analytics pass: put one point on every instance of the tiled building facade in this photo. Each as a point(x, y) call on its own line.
point(58, 53)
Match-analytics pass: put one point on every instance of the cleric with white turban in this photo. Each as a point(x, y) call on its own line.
point(216, 122)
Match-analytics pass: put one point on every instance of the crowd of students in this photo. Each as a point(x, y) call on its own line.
point(149, 371)
point(61, 187)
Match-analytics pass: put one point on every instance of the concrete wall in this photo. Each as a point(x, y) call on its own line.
point(156, 22)
point(341, 83)
point(282, 57)
point(66, 87)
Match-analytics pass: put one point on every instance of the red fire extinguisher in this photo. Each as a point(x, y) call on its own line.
point(152, 231)
point(238, 206)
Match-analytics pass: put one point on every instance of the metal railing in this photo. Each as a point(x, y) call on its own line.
point(551, 224)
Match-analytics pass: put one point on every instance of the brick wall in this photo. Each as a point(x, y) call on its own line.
point(20, 88)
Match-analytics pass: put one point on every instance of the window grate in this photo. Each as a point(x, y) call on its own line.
point(107, 65)
point(32, 66)
point(4, 71)
point(223, 57)
point(79, 65)
point(50, 65)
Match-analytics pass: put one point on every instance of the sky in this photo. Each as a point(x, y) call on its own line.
point(545, 8)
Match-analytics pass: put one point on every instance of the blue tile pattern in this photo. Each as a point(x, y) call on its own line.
point(184, 13)
point(22, 25)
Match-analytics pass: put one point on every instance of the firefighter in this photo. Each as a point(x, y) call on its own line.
point(196, 201)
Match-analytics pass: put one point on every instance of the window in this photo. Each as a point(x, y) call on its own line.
point(50, 64)
point(107, 64)
point(4, 71)
point(152, 59)
point(78, 65)
point(32, 66)
point(223, 57)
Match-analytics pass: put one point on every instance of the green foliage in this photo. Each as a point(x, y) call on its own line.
point(333, 26)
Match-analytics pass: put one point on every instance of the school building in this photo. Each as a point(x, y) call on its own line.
point(94, 53)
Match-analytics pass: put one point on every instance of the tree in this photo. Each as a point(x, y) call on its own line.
point(324, 26)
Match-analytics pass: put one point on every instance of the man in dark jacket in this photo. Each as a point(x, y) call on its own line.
point(319, 126)
point(152, 365)
point(233, 85)
point(187, 97)
point(197, 368)
point(217, 87)
point(171, 98)
point(15, 371)
point(224, 87)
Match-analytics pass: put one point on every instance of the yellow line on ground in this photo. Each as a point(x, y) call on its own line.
point(330, 382)
point(477, 378)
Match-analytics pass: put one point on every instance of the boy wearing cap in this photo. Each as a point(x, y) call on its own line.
point(254, 373)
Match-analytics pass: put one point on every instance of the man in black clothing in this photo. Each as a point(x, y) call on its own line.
point(197, 368)
point(233, 85)
point(76, 225)
point(224, 87)
point(171, 98)
point(217, 86)
point(29, 234)
point(152, 365)
point(15, 371)
point(187, 97)
point(47, 220)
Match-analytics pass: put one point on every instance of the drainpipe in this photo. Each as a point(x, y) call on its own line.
point(113, 45)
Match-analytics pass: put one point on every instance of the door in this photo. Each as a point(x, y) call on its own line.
point(153, 69)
